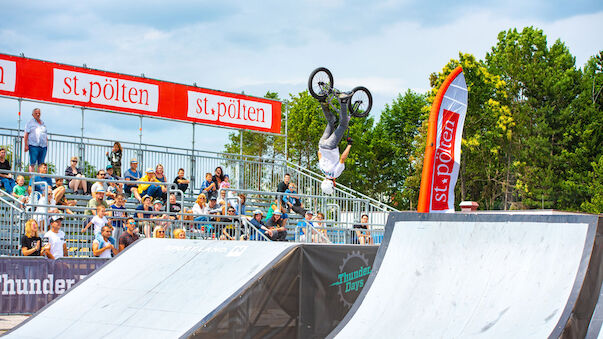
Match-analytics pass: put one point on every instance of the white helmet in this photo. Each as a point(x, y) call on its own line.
point(327, 186)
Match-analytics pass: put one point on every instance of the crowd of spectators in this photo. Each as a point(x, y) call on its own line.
point(217, 210)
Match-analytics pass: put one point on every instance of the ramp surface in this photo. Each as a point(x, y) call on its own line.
point(153, 290)
point(479, 275)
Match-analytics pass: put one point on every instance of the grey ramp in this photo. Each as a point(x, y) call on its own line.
point(475, 275)
point(157, 288)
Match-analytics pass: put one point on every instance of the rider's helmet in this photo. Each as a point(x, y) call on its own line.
point(327, 186)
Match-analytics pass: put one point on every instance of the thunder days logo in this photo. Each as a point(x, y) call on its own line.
point(353, 273)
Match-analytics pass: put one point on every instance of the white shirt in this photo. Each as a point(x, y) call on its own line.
point(198, 210)
point(37, 133)
point(98, 185)
point(56, 241)
point(329, 162)
point(98, 223)
point(105, 253)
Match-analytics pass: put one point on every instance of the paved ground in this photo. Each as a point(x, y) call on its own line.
point(9, 321)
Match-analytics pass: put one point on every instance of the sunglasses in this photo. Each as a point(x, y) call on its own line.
point(162, 232)
point(132, 223)
point(73, 160)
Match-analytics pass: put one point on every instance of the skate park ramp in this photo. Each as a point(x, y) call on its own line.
point(157, 288)
point(490, 275)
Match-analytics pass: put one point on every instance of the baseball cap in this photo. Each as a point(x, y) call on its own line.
point(133, 160)
point(277, 213)
point(145, 197)
point(158, 202)
point(100, 190)
point(56, 217)
point(309, 212)
point(150, 170)
point(109, 166)
point(257, 212)
point(213, 198)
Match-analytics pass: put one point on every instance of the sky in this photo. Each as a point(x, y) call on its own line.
point(243, 46)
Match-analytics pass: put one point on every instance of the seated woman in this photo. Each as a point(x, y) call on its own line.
point(31, 243)
point(160, 176)
point(200, 210)
point(144, 213)
point(59, 196)
point(76, 172)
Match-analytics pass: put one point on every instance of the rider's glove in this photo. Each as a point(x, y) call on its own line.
point(350, 141)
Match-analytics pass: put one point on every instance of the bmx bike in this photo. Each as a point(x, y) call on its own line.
point(320, 85)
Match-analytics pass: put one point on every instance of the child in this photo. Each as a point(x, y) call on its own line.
point(208, 187)
point(181, 181)
point(20, 190)
point(98, 221)
point(115, 158)
point(226, 182)
point(117, 210)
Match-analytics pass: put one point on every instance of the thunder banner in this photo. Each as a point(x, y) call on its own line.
point(443, 149)
point(39, 80)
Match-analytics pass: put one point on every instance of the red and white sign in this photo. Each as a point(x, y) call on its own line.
point(443, 150)
point(57, 83)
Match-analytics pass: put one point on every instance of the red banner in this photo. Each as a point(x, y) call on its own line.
point(57, 83)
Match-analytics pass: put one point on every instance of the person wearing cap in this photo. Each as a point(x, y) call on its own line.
point(258, 222)
point(145, 209)
point(102, 184)
point(132, 174)
point(275, 224)
point(114, 187)
point(158, 209)
point(302, 224)
point(98, 199)
point(214, 207)
point(73, 171)
point(56, 239)
point(104, 245)
point(229, 230)
point(149, 189)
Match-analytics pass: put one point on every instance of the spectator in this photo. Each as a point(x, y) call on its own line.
point(157, 208)
point(46, 204)
point(31, 243)
point(6, 178)
point(110, 194)
point(175, 207)
point(226, 182)
point(112, 187)
point(129, 236)
point(179, 233)
point(58, 191)
point(258, 223)
point(103, 246)
point(74, 171)
point(119, 214)
point(284, 185)
point(231, 224)
point(292, 201)
point(97, 200)
point(200, 209)
point(359, 236)
point(320, 226)
point(214, 208)
point(56, 239)
point(115, 158)
point(160, 176)
point(158, 232)
point(99, 221)
point(222, 198)
point(208, 187)
point(145, 213)
point(20, 190)
point(181, 181)
point(307, 222)
point(132, 174)
point(35, 140)
point(36, 181)
point(218, 177)
point(152, 190)
point(275, 224)
point(243, 204)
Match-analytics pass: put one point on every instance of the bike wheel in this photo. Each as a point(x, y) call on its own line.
point(320, 83)
point(361, 102)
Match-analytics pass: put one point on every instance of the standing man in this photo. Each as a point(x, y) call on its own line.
point(56, 238)
point(128, 237)
point(35, 140)
point(6, 178)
